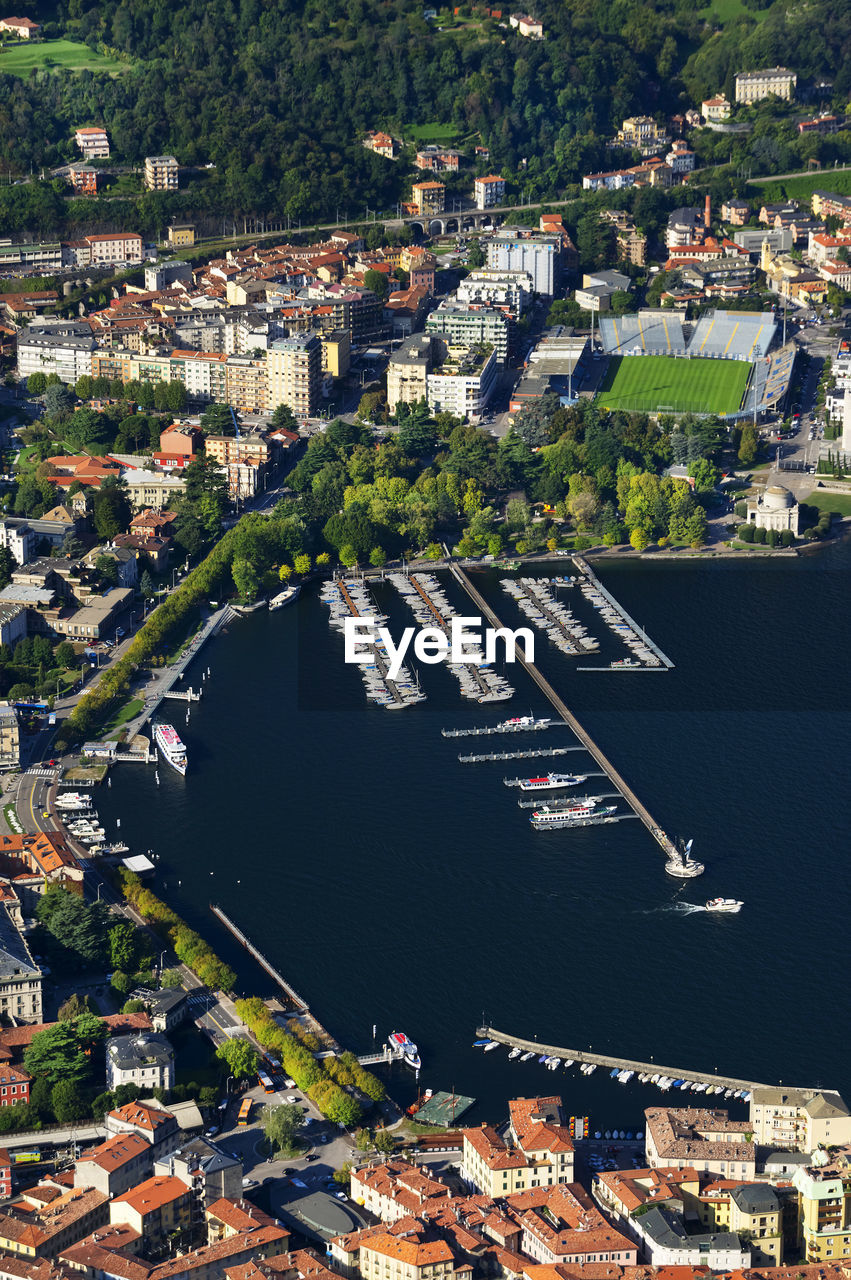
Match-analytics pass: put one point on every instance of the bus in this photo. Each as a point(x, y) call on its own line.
point(265, 1082)
point(244, 1112)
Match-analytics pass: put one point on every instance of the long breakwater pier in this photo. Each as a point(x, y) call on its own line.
point(568, 718)
point(259, 957)
point(589, 1058)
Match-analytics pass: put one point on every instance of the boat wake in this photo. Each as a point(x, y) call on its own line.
point(681, 908)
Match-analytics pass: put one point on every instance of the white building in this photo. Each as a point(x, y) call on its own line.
point(800, 1119)
point(776, 509)
point(146, 1059)
point(513, 249)
point(464, 383)
point(69, 355)
point(470, 326)
point(92, 141)
point(753, 86)
point(666, 1243)
point(511, 291)
point(19, 538)
point(489, 191)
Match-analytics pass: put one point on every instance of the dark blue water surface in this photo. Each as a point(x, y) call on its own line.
point(394, 886)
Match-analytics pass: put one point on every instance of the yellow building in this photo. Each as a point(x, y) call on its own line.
point(336, 352)
point(161, 173)
point(539, 1154)
point(246, 384)
point(824, 1211)
point(155, 1208)
point(429, 197)
point(388, 1257)
point(181, 234)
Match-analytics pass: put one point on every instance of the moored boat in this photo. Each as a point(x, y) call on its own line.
point(287, 596)
point(173, 751)
point(404, 1045)
point(553, 781)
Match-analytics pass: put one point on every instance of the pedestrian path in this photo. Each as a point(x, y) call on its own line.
point(42, 773)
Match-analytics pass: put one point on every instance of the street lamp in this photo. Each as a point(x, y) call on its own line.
point(227, 1084)
point(162, 953)
point(100, 886)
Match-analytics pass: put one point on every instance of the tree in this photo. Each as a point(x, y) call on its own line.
point(56, 1053)
point(216, 420)
point(281, 1124)
point(638, 539)
point(377, 558)
point(122, 946)
point(80, 927)
point(37, 384)
point(475, 254)
point(384, 1142)
point(376, 282)
point(112, 508)
point(301, 564)
point(68, 1102)
point(66, 655)
point(7, 566)
point(245, 578)
point(417, 438)
point(240, 1057)
point(146, 585)
point(74, 1007)
point(283, 417)
point(107, 568)
point(57, 399)
point(748, 445)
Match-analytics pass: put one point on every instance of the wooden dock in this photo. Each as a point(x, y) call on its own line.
point(519, 755)
point(668, 847)
point(622, 1064)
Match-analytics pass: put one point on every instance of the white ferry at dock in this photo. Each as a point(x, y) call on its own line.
point(173, 751)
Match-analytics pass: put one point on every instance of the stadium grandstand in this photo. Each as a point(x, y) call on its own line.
point(733, 335)
point(658, 333)
point(769, 381)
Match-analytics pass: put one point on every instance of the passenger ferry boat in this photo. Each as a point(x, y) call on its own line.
point(550, 819)
point(169, 743)
point(401, 1043)
point(525, 722)
point(552, 781)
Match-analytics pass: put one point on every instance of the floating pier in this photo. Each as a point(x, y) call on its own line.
point(184, 695)
point(259, 957)
point(580, 1056)
point(398, 698)
point(564, 802)
point(568, 718)
point(519, 755)
point(583, 567)
point(515, 728)
point(534, 598)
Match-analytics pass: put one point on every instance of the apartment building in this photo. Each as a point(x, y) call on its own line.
point(799, 1119)
point(562, 1225)
point(155, 1208)
point(161, 173)
point(92, 141)
point(753, 86)
point(824, 1210)
point(489, 191)
point(20, 978)
point(396, 1188)
point(105, 250)
point(116, 1165)
point(436, 159)
point(10, 729)
point(31, 1228)
point(515, 249)
point(246, 384)
point(707, 1140)
point(509, 291)
point(84, 179)
point(387, 1257)
point(64, 350)
point(471, 325)
point(203, 373)
point(294, 373)
point(408, 370)
point(429, 197)
point(715, 109)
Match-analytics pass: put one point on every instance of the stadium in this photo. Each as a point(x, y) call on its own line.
point(722, 364)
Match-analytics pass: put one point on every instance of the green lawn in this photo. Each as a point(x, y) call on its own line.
point(723, 11)
point(644, 384)
point(838, 503)
point(802, 188)
point(70, 55)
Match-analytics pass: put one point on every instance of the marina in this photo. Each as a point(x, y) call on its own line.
point(648, 655)
point(534, 598)
point(350, 598)
point(519, 755)
point(665, 1077)
point(669, 848)
point(429, 604)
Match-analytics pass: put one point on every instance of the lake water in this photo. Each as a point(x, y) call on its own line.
point(395, 887)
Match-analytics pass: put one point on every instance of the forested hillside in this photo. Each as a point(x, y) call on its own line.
point(278, 93)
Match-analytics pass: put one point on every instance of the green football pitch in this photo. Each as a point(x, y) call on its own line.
point(647, 384)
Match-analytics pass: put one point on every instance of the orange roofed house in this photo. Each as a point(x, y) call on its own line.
point(155, 1208)
point(537, 1151)
point(92, 141)
point(90, 472)
point(23, 28)
point(33, 1228)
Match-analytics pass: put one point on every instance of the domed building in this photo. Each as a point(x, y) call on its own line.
point(776, 509)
